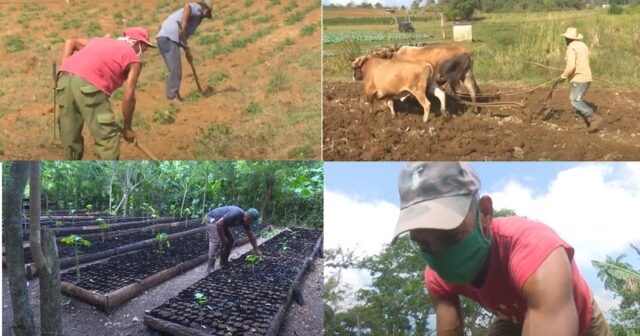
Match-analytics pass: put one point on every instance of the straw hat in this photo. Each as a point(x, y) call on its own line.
point(572, 34)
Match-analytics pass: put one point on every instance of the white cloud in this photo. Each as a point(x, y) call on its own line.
point(356, 225)
point(594, 207)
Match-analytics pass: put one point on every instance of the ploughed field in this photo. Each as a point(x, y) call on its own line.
point(496, 133)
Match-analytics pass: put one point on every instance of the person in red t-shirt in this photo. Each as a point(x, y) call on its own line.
point(518, 269)
point(91, 71)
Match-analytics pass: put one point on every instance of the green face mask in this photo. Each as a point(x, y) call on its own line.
point(461, 263)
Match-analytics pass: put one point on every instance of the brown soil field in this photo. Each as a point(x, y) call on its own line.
point(496, 133)
point(265, 104)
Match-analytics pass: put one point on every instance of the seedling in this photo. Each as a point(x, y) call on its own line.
point(103, 227)
point(163, 239)
point(267, 234)
point(200, 298)
point(284, 245)
point(253, 260)
point(59, 223)
point(88, 207)
point(76, 242)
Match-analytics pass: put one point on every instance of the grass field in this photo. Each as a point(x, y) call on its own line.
point(503, 43)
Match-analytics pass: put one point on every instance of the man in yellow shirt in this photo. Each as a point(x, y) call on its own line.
point(579, 72)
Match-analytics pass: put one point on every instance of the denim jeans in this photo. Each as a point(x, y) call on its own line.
point(577, 92)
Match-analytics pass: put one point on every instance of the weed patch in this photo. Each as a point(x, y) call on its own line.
point(209, 39)
point(218, 77)
point(13, 44)
point(252, 108)
point(93, 30)
point(308, 30)
point(166, 116)
point(278, 81)
point(74, 23)
point(214, 142)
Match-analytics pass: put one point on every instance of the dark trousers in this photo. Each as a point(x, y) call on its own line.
point(226, 249)
point(170, 52)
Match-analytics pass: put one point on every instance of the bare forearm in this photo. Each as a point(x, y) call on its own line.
point(252, 239)
point(128, 106)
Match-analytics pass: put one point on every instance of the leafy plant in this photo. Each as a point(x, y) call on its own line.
point(167, 115)
point(253, 260)
point(267, 234)
point(200, 298)
point(59, 223)
point(76, 242)
point(163, 239)
point(284, 246)
point(13, 44)
point(88, 207)
point(103, 227)
point(252, 108)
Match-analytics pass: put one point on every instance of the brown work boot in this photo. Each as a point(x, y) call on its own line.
point(595, 122)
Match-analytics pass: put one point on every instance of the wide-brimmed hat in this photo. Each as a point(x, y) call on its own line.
point(435, 195)
point(209, 4)
point(572, 34)
point(138, 34)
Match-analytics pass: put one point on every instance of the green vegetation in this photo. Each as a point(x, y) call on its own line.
point(163, 239)
point(241, 43)
point(504, 43)
point(76, 242)
point(286, 42)
point(268, 234)
point(103, 227)
point(214, 142)
point(289, 7)
point(218, 77)
point(623, 280)
point(248, 3)
point(209, 39)
point(200, 298)
point(93, 30)
point(13, 44)
point(278, 81)
point(273, 3)
point(330, 37)
point(309, 29)
point(252, 108)
point(193, 96)
point(263, 19)
point(166, 115)
point(74, 23)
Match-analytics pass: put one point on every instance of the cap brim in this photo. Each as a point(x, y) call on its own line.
point(149, 44)
point(440, 214)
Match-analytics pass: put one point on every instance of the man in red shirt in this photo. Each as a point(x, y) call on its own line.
point(91, 71)
point(518, 269)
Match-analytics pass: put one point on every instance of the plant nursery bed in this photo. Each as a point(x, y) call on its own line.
point(110, 283)
point(245, 298)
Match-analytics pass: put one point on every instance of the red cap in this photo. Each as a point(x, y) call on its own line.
point(138, 34)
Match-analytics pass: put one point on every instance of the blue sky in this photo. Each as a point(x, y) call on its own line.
point(593, 206)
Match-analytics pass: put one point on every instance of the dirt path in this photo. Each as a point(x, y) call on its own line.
point(80, 318)
point(266, 92)
point(352, 133)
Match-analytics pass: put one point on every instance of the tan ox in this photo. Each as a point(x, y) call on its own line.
point(452, 63)
point(393, 79)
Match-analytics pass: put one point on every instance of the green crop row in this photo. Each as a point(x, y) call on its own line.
point(341, 36)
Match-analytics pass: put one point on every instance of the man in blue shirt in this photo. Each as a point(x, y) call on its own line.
point(171, 37)
point(219, 220)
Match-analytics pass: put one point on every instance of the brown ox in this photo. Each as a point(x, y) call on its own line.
point(391, 79)
point(452, 63)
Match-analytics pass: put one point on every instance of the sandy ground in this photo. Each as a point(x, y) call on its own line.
point(80, 318)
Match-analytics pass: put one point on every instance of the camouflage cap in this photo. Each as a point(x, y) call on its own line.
point(435, 195)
